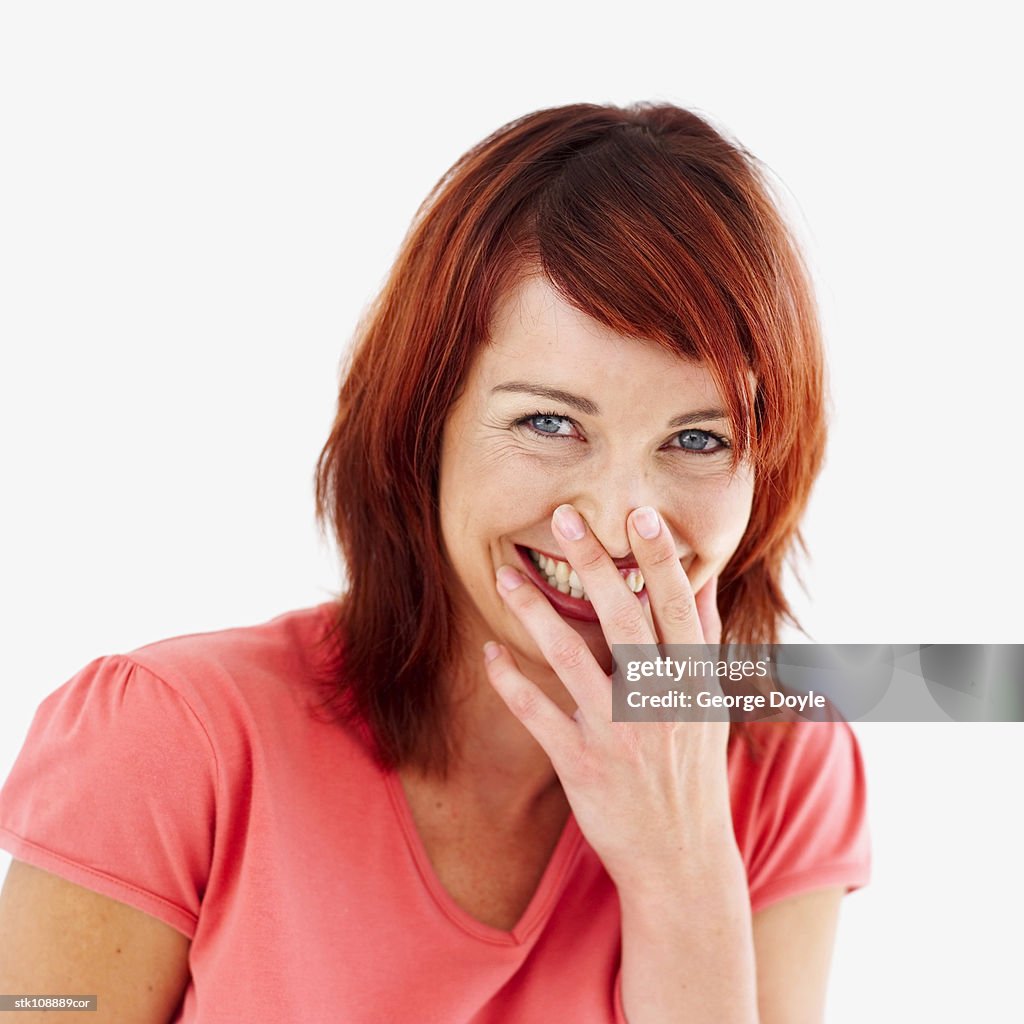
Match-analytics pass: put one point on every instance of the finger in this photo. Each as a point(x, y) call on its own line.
point(707, 611)
point(555, 731)
point(671, 597)
point(620, 610)
point(565, 650)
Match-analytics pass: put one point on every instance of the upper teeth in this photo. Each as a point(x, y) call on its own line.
point(563, 577)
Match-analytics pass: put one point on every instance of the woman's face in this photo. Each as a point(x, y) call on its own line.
point(558, 408)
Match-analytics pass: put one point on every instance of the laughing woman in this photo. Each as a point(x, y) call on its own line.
point(586, 409)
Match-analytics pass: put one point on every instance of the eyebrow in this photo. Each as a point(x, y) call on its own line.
point(590, 408)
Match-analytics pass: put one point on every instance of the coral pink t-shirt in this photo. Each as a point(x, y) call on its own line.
point(189, 779)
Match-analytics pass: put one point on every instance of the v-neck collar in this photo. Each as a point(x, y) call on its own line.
point(562, 858)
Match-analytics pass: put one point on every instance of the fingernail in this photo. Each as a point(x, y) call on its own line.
point(509, 578)
point(646, 522)
point(569, 523)
point(491, 650)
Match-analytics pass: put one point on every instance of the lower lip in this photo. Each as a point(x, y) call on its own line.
point(570, 607)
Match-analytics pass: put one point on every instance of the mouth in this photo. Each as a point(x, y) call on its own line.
point(559, 583)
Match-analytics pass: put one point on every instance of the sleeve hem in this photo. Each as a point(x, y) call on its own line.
point(849, 874)
point(98, 881)
point(618, 1009)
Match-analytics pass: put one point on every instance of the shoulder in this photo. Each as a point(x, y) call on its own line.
point(786, 751)
point(208, 698)
point(774, 765)
point(286, 643)
point(799, 800)
point(242, 670)
point(142, 765)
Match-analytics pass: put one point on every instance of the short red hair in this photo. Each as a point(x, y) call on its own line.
point(650, 221)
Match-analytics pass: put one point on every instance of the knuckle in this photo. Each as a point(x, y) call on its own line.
point(581, 766)
point(526, 599)
point(628, 622)
point(524, 704)
point(664, 555)
point(591, 559)
point(678, 610)
point(522, 596)
point(629, 741)
point(569, 652)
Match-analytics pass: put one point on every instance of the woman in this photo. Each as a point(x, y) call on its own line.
point(586, 409)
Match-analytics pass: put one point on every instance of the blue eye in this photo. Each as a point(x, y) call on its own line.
point(553, 424)
point(549, 424)
point(702, 441)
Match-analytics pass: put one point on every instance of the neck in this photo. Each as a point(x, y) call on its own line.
point(498, 765)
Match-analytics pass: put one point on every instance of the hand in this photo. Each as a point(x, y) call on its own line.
point(651, 797)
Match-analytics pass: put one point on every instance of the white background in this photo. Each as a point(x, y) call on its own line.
point(198, 199)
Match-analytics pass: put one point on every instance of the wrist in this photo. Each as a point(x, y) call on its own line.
point(710, 872)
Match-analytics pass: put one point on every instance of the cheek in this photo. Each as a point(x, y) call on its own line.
point(715, 515)
point(486, 495)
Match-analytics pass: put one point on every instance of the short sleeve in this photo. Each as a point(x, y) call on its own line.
point(114, 790)
point(810, 827)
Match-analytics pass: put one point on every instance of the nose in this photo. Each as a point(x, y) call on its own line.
point(606, 500)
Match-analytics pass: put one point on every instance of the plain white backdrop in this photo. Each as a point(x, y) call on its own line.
point(197, 201)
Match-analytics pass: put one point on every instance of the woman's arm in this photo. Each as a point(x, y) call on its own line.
point(703, 932)
point(687, 946)
point(57, 938)
point(793, 940)
point(651, 798)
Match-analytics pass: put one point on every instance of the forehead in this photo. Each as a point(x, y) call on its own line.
point(536, 335)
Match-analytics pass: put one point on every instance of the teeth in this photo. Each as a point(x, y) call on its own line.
point(566, 580)
point(560, 575)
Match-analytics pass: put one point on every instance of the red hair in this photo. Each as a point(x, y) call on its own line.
point(650, 221)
